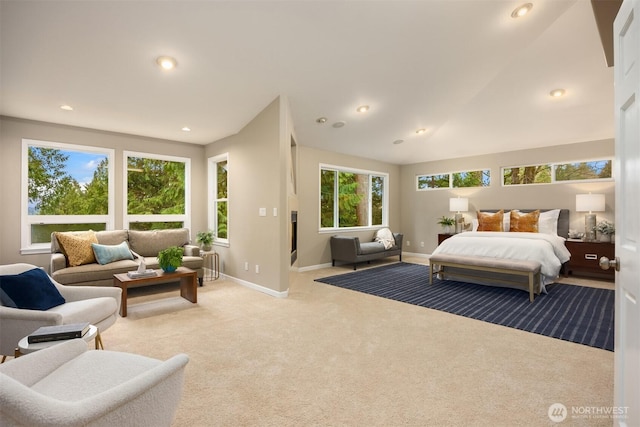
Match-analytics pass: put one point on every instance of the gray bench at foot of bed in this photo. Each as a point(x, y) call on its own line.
point(531, 269)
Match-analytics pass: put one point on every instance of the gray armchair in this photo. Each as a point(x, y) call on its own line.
point(68, 385)
point(94, 304)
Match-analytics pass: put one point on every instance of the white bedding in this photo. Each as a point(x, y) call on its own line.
point(548, 249)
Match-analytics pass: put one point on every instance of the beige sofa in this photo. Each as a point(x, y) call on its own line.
point(144, 243)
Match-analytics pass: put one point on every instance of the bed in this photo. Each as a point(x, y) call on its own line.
point(477, 253)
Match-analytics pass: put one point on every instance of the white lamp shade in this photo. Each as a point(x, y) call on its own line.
point(459, 204)
point(590, 203)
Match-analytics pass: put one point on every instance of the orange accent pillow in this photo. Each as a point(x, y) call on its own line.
point(526, 222)
point(490, 221)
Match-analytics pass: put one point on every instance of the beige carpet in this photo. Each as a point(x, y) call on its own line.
point(326, 356)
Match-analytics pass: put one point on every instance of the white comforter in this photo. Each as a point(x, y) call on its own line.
point(549, 250)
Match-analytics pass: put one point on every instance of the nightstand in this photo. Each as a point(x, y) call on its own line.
point(585, 258)
point(443, 237)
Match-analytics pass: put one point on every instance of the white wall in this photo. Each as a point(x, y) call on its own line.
point(421, 209)
point(256, 180)
point(313, 246)
point(13, 130)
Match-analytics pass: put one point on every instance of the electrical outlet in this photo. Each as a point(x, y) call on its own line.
point(257, 268)
point(408, 243)
point(422, 244)
point(246, 265)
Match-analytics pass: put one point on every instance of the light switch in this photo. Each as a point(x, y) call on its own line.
point(262, 212)
point(275, 211)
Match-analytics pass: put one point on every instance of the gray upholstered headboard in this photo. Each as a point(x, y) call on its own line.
point(563, 219)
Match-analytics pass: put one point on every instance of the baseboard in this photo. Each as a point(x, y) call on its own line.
point(256, 287)
point(313, 267)
point(416, 254)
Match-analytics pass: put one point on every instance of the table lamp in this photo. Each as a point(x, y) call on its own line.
point(590, 203)
point(457, 205)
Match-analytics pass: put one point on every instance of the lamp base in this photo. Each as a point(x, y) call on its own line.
point(590, 227)
point(459, 222)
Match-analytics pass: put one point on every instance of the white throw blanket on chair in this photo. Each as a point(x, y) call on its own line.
point(385, 236)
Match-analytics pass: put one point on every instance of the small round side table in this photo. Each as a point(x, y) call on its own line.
point(25, 348)
point(211, 265)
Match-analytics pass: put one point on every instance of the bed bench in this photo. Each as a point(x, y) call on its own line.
point(476, 264)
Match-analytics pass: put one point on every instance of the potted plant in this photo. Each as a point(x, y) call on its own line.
point(605, 229)
point(170, 259)
point(205, 238)
point(446, 223)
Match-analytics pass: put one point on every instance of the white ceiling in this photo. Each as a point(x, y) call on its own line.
point(476, 78)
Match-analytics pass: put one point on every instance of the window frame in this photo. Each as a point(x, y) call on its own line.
point(553, 166)
point(370, 174)
point(213, 200)
point(26, 245)
point(451, 178)
point(127, 218)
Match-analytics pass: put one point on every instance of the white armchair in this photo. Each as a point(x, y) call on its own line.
point(68, 385)
point(98, 305)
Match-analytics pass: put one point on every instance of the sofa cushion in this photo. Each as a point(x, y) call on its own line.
point(106, 254)
point(92, 272)
point(371, 248)
point(112, 237)
point(32, 290)
point(77, 246)
point(149, 243)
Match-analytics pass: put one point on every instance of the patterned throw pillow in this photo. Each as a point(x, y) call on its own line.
point(524, 222)
point(77, 246)
point(490, 221)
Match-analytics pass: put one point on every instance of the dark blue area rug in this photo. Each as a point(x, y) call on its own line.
point(573, 313)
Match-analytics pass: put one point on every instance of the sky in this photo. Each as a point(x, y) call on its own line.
point(81, 165)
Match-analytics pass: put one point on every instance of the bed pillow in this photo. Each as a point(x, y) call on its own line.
point(490, 221)
point(31, 290)
point(548, 222)
point(77, 246)
point(524, 222)
point(106, 254)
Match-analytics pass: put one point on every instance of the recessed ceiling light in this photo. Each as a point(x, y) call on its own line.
point(66, 107)
point(398, 141)
point(166, 62)
point(557, 93)
point(422, 130)
point(186, 129)
point(521, 10)
point(339, 124)
point(362, 109)
point(321, 120)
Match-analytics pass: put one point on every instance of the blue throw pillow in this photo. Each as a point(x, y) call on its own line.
point(110, 253)
point(32, 290)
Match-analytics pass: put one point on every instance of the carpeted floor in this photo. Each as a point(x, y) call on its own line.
point(579, 314)
point(326, 356)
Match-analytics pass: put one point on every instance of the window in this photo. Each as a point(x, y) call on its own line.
point(478, 178)
point(534, 174)
point(156, 191)
point(219, 198)
point(594, 170)
point(426, 182)
point(352, 198)
point(67, 188)
point(597, 169)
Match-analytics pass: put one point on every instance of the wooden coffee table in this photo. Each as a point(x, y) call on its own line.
point(188, 284)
